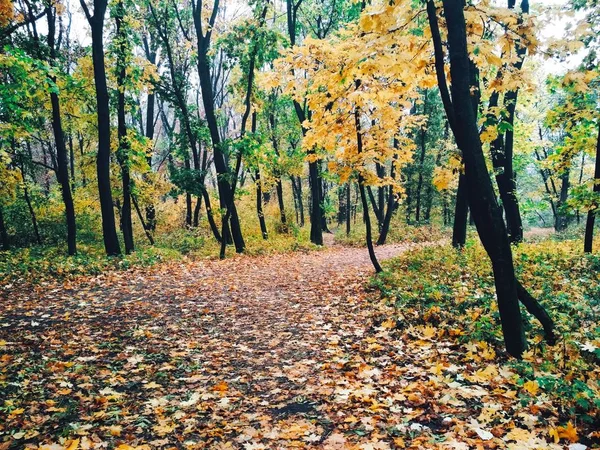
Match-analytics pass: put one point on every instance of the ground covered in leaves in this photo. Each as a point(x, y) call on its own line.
point(301, 350)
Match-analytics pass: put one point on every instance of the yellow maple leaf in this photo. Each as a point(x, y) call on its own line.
point(568, 432)
point(532, 387)
point(72, 445)
point(429, 332)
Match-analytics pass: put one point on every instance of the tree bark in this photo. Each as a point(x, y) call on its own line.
point(226, 194)
point(62, 172)
point(591, 215)
point(123, 150)
point(109, 229)
point(348, 208)
point(259, 208)
point(461, 213)
point(316, 215)
point(485, 209)
point(562, 219)
point(3, 231)
point(363, 197)
point(421, 164)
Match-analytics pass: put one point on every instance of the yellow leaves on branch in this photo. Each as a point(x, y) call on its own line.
point(7, 12)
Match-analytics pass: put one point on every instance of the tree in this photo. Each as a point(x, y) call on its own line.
point(122, 57)
point(62, 172)
point(109, 230)
point(482, 200)
point(204, 30)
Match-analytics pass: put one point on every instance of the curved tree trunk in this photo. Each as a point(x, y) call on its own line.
point(482, 200)
point(363, 197)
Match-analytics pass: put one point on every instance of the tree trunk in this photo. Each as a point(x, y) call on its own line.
point(62, 172)
point(279, 185)
point(421, 164)
point(562, 218)
point(151, 102)
point(188, 209)
point(392, 204)
point(226, 194)
point(3, 231)
point(461, 213)
point(348, 208)
point(363, 198)
point(109, 229)
point(209, 215)
point(316, 216)
point(591, 215)
point(259, 208)
point(144, 225)
point(197, 209)
point(482, 200)
point(123, 150)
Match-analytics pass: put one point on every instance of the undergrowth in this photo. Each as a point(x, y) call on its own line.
point(453, 294)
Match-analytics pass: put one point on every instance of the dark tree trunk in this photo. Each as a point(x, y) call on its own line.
point(295, 197)
point(259, 207)
point(421, 164)
point(363, 198)
point(197, 209)
point(109, 229)
point(591, 216)
point(141, 217)
point(461, 213)
point(316, 216)
point(348, 208)
point(323, 196)
point(502, 147)
point(62, 172)
point(3, 231)
point(482, 201)
point(188, 209)
point(279, 189)
point(562, 218)
point(150, 107)
point(297, 186)
point(392, 204)
point(226, 194)
point(123, 150)
point(279, 184)
point(209, 215)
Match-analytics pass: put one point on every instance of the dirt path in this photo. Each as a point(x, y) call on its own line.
point(218, 354)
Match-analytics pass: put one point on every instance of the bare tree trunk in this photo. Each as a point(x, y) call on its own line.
point(591, 216)
point(363, 198)
point(109, 229)
point(3, 231)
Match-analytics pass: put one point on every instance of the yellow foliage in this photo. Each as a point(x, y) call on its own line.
point(7, 13)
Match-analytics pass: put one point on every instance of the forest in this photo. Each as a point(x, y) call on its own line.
point(276, 224)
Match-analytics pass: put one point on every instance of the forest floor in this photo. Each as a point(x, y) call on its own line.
point(275, 352)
